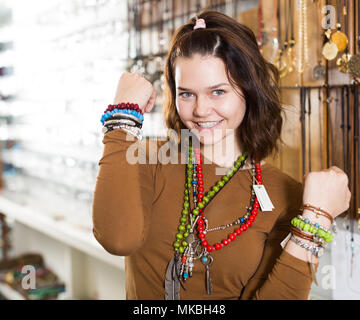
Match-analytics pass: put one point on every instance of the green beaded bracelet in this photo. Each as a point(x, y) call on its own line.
point(298, 223)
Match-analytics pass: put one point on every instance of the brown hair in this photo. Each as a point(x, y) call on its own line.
point(246, 69)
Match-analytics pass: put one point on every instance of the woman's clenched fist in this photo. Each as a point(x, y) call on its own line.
point(327, 189)
point(134, 88)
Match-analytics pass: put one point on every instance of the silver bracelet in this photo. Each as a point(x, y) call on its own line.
point(137, 132)
point(317, 251)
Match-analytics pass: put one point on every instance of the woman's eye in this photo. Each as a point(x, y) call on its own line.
point(220, 91)
point(182, 94)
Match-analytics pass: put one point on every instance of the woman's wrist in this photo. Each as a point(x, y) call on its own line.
point(321, 220)
point(300, 252)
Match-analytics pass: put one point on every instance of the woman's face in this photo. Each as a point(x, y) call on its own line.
point(214, 110)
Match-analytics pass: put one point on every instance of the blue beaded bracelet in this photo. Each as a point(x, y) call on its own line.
point(108, 114)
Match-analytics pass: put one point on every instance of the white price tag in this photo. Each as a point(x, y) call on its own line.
point(285, 241)
point(263, 197)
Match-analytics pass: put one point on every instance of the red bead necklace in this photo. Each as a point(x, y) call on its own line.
point(201, 221)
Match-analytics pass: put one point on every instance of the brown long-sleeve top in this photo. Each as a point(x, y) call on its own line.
point(136, 212)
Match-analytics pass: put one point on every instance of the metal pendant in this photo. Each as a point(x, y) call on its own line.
point(319, 72)
point(190, 239)
point(281, 64)
point(330, 50)
point(343, 63)
point(189, 256)
point(207, 262)
point(340, 39)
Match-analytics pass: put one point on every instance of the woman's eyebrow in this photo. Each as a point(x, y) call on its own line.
point(211, 87)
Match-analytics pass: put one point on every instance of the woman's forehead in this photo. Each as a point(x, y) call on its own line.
point(200, 72)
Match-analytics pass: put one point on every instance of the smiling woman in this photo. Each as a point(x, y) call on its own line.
point(217, 73)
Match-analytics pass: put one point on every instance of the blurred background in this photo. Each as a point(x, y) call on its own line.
point(60, 62)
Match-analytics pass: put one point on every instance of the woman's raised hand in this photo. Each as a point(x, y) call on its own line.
point(327, 189)
point(134, 88)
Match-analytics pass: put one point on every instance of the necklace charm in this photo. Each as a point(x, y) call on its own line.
point(319, 71)
point(190, 239)
point(343, 63)
point(330, 49)
point(189, 256)
point(339, 38)
point(207, 261)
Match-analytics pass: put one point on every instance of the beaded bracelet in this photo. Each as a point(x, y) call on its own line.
point(316, 225)
point(108, 114)
point(317, 211)
point(126, 116)
point(123, 105)
point(298, 223)
point(317, 251)
point(127, 108)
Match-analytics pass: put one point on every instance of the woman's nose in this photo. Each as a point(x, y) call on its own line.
point(201, 108)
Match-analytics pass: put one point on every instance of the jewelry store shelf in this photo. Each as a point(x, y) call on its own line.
point(60, 230)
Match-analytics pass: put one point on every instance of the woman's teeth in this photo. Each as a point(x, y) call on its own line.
point(208, 124)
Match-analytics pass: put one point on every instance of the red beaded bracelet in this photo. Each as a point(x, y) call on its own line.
point(123, 105)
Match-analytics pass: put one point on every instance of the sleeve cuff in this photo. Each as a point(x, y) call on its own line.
point(295, 263)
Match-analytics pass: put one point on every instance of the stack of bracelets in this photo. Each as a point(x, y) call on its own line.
point(303, 228)
point(126, 116)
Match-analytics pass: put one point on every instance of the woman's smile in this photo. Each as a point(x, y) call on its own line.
point(208, 125)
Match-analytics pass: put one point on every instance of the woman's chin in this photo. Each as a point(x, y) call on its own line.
point(208, 139)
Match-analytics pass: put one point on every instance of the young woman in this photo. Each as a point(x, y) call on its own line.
point(217, 225)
